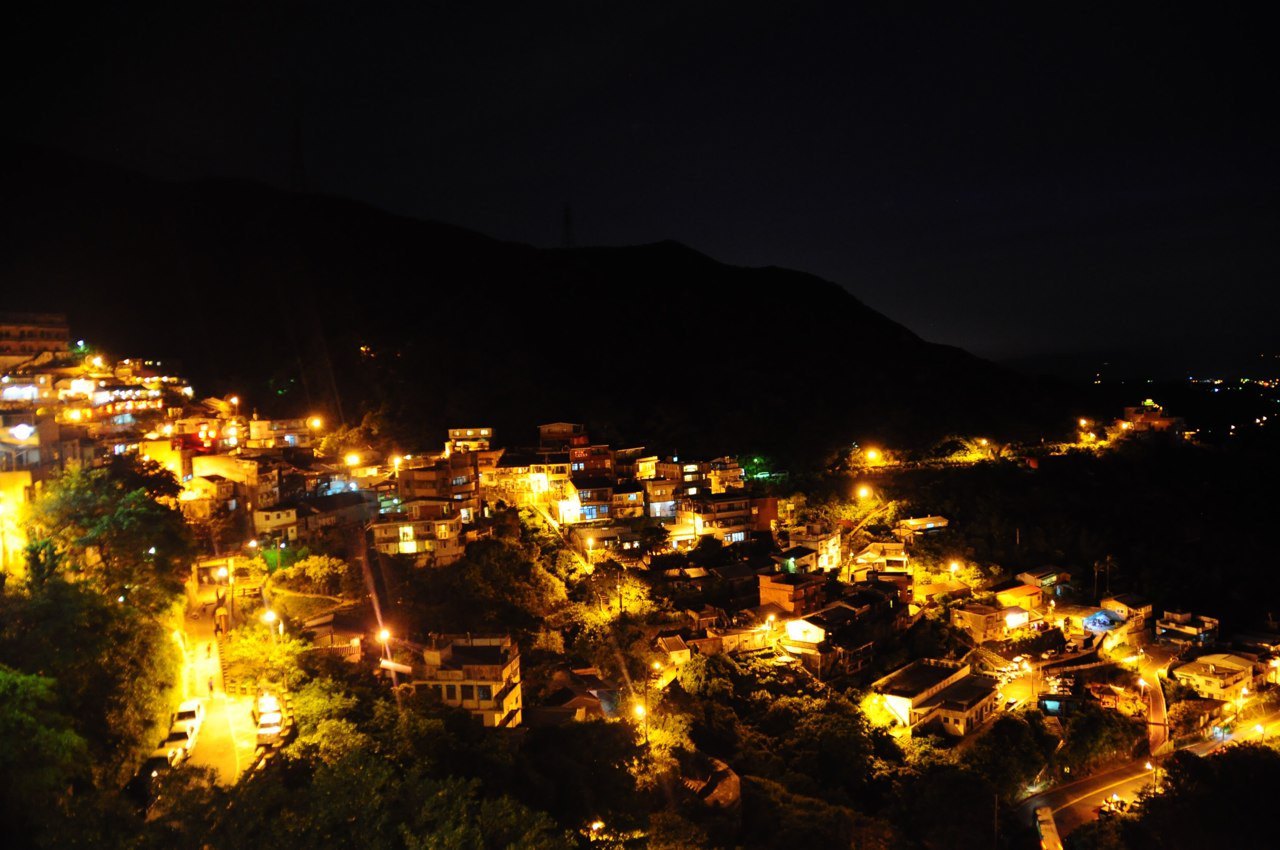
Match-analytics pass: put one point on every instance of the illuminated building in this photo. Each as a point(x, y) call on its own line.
point(479, 673)
point(935, 692)
point(24, 335)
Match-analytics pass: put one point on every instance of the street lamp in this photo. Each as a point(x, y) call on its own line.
point(269, 617)
point(315, 422)
point(643, 714)
point(1155, 776)
point(955, 565)
point(1262, 732)
point(864, 492)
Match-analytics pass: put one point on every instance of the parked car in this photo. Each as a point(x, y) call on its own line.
point(190, 715)
point(269, 727)
point(177, 746)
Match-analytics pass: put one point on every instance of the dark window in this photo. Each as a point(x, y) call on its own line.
point(484, 691)
point(468, 692)
point(451, 691)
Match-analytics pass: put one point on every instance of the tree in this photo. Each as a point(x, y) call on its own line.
point(110, 528)
point(1095, 735)
point(1011, 754)
point(255, 652)
point(40, 755)
point(321, 574)
point(114, 668)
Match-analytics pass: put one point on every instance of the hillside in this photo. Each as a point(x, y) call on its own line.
point(273, 295)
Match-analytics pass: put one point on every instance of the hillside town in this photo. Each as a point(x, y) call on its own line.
point(317, 538)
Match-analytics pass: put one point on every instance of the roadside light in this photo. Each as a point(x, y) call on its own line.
point(396, 461)
point(1084, 423)
point(982, 441)
point(352, 459)
point(640, 712)
point(315, 422)
point(1149, 766)
point(253, 544)
point(657, 665)
point(597, 825)
point(384, 635)
point(864, 492)
point(235, 401)
point(955, 565)
point(1258, 728)
point(873, 455)
point(269, 616)
point(222, 572)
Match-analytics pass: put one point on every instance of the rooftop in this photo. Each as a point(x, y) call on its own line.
point(963, 695)
point(916, 678)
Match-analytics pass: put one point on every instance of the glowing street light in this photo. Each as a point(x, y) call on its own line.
point(1084, 423)
point(955, 565)
point(315, 422)
point(864, 492)
point(873, 455)
point(352, 459)
point(384, 636)
point(269, 616)
point(253, 544)
point(597, 825)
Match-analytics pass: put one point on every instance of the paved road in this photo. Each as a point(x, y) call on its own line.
point(1076, 803)
point(228, 737)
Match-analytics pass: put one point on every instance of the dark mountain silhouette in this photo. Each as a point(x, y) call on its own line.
point(302, 303)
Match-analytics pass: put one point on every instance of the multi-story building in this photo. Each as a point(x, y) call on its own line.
point(428, 529)
point(24, 335)
point(726, 516)
point(1185, 627)
point(1216, 676)
point(825, 542)
point(931, 691)
point(480, 673)
point(795, 593)
point(660, 494)
point(1129, 607)
point(469, 440)
point(558, 436)
point(591, 461)
point(987, 622)
point(725, 474)
point(279, 434)
point(456, 477)
point(627, 501)
point(525, 479)
point(594, 497)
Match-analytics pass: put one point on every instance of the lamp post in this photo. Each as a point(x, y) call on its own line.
point(643, 714)
point(1155, 777)
point(384, 637)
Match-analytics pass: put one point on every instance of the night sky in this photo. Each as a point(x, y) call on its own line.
point(1086, 180)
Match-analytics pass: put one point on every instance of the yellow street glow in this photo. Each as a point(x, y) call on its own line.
point(352, 459)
